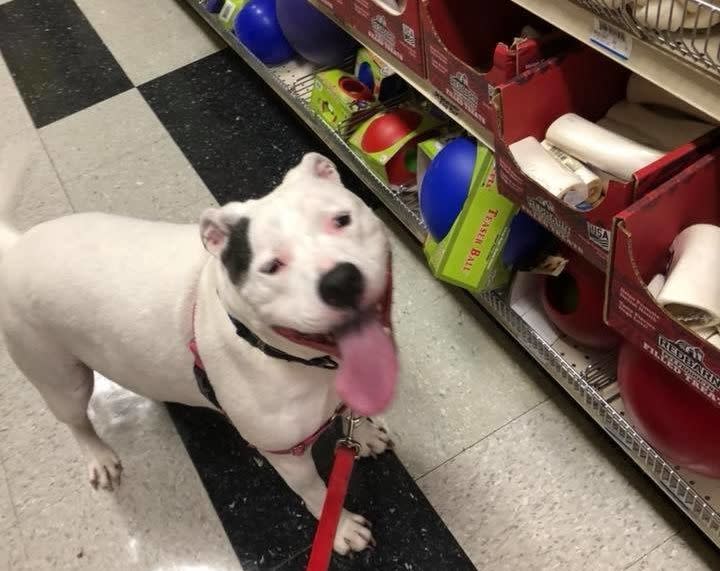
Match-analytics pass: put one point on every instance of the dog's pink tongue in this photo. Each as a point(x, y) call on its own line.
point(368, 369)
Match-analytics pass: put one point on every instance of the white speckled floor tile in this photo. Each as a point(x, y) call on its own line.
point(156, 182)
point(154, 37)
point(12, 551)
point(33, 446)
point(41, 196)
point(42, 460)
point(101, 134)
point(549, 492)
point(7, 511)
point(412, 280)
point(145, 523)
point(686, 551)
point(15, 116)
point(457, 368)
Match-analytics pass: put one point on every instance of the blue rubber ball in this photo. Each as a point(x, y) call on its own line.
point(312, 34)
point(214, 6)
point(257, 26)
point(446, 185)
point(525, 239)
point(365, 75)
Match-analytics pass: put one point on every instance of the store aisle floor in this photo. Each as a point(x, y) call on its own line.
point(135, 108)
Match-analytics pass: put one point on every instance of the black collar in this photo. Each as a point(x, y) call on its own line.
point(325, 362)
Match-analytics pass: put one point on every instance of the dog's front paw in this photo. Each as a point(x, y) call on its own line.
point(104, 469)
point(353, 533)
point(372, 436)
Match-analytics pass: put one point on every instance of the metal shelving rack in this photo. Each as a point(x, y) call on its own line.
point(686, 63)
point(592, 386)
point(422, 86)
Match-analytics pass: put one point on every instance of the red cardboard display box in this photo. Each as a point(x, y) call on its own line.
point(642, 238)
point(393, 25)
point(470, 48)
point(341, 8)
point(588, 83)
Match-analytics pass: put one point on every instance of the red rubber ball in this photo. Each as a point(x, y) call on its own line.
point(387, 129)
point(574, 301)
point(673, 416)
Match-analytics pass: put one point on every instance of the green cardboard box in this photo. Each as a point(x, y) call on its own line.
point(428, 148)
point(228, 12)
point(470, 255)
point(338, 98)
point(389, 146)
point(383, 81)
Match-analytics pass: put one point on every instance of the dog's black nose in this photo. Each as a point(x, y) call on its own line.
point(342, 286)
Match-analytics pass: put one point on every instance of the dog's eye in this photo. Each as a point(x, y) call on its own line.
point(342, 220)
point(272, 266)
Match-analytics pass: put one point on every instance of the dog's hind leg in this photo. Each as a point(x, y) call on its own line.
point(66, 385)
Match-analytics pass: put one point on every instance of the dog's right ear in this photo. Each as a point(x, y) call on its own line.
point(214, 231)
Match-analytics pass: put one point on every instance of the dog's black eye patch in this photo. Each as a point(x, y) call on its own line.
point(237, 254)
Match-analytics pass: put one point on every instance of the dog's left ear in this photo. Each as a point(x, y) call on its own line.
point(214, 231)
point(317, 166)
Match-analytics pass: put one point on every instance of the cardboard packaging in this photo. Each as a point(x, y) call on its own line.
point(338, 98)
point(643, 234)
point(587, 83)
point(470, 256)
point(394, 26)
point(388, 142)
point(471, 48)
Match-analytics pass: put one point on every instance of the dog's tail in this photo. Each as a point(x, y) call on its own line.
point(13, 166)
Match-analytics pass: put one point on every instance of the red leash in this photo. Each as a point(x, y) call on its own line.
point(345, 453)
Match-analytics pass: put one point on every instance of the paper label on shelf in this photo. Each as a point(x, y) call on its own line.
point(611, 38)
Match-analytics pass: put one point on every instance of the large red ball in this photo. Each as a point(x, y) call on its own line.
point(674, 417)
point(574, 300)
point(387, 129)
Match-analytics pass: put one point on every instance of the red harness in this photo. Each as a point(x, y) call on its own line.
point(206, 389)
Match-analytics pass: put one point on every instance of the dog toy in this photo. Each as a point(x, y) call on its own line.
point(674, 417)
point(573, 301)
point(340, 99)
point(388, 142)
point(312, 34)
point(257, 27)
point(446, 185)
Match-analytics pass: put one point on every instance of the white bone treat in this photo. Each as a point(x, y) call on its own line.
point(546, 171)
point(593, 182)
point(673, 15)
point(641, 90)
point(692, 287)
point(608, 151)
point(666, 132)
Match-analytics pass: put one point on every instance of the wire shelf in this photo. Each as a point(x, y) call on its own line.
point(689, 29)
point(302, 89)
point(593, 386)
point(610, 10)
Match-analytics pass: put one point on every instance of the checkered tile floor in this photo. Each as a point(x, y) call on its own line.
point(134, 107)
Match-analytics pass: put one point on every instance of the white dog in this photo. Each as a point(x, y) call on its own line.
point(247, 324)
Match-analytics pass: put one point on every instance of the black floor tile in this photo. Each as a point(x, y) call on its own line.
point(238, 135)
point(58, 61)
point(269, 527)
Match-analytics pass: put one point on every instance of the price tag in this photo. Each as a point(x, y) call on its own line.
point(613, 39)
